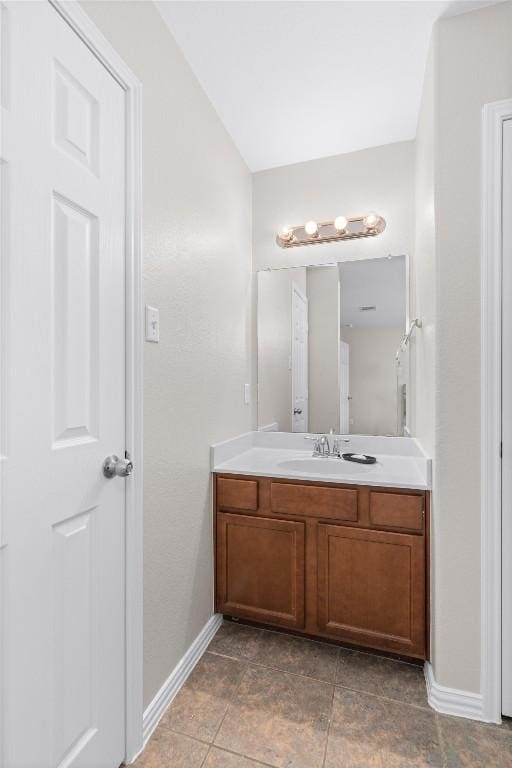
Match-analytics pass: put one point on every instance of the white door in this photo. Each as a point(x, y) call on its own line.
point(63, 407)
point(507, 422)
point(344, 388)
point(299, 361)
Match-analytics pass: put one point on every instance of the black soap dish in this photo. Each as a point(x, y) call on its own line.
point(359, 458)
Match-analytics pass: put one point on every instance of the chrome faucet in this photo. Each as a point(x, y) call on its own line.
point(322, 446)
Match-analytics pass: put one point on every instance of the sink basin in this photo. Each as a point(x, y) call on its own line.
point(325, 466)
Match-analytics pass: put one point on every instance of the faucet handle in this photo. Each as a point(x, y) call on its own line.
point(338, 445)
point(319, 444)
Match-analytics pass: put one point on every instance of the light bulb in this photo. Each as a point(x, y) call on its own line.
point(286, 234)
point(340, 223)
point(311, 228)
point(371, 220)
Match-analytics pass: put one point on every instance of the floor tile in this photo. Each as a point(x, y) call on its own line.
point(219, 758)
point(298, 655)
point(383, 677)
point(468, 744)
point(172, 750)
point(199, 707)
point(371, 732)
point(236, 640)
point(278, 718)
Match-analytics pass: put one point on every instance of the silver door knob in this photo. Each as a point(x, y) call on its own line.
point(114, 466)
point(297, 411)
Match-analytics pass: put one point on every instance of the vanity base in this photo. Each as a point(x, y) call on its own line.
point(342, 563)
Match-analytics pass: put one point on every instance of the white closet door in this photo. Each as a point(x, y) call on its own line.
point(63, 396)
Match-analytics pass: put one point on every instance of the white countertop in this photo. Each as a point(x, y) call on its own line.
point(401, 463)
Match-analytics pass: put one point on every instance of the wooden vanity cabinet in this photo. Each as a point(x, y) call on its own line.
point(260, 569)
point(371, 588)
point(346, 563)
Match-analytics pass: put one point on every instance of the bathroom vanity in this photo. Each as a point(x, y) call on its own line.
point(323, 547)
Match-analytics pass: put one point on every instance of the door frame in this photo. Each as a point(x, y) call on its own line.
point(82, 24)
point(340, 342)
point(493, 117)
point(295, 289)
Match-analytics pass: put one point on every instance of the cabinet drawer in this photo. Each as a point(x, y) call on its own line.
point(237, 494)
point(397, 510)
point(314, 501)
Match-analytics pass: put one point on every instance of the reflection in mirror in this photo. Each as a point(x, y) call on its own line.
point(327, 348)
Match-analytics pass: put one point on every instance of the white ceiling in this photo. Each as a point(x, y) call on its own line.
point(373, 282)
point(294, 81)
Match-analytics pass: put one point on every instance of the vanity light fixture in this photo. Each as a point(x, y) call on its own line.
point(341, 228)
point(340, 223)
point(371, 220)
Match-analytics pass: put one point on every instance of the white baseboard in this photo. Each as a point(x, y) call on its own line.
point(451, 701)
point(181, 671)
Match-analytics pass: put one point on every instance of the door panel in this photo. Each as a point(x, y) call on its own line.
point(75, 647)
point(65, 394)
point(260, 569)
point(75, 322)
point(371, 588)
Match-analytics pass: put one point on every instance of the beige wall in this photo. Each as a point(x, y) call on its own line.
point(197, 270)
point(471, 65)
point(372, 379)
point(380, 179)
point(323, 320)
point(275, 344)
point(474, 67)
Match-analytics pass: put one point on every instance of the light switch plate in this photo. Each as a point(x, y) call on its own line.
point(247, 394)
point(152, 324)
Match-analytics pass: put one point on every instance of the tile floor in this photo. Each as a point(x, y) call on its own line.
point(261, 698)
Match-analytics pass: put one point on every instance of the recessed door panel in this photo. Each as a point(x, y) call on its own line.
point(76, 633)
point(76, 119)
point(371, 588)
point(76, 296)
point(261, 568)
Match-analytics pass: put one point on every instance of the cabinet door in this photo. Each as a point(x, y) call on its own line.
point(260, 569)
point(371, 588)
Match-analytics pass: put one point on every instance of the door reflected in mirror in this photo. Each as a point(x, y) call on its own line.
point(328, 348)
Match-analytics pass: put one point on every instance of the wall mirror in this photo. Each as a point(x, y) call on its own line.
point(329, 341)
